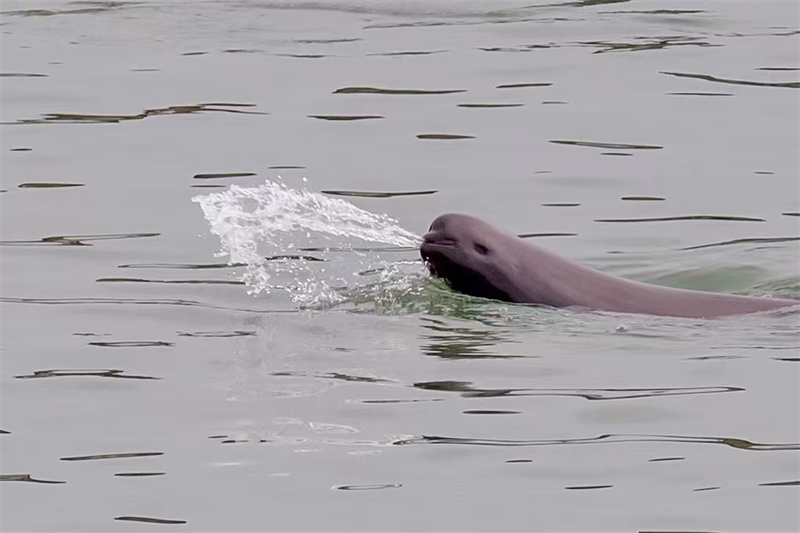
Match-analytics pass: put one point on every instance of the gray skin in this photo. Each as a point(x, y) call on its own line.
point(479, 260)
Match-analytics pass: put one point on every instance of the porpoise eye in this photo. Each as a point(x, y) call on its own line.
point(481, 249)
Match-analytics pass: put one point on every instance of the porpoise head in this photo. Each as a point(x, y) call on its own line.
point(464, 251)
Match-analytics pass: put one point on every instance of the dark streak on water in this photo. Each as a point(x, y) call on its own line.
point(443, 136)
point(216, 175)
point(699, 94)
point(375, 90)
point(110, 373)
point(588, 487)
point(371, 194)
point(172, 281)
point(489, 105)
point(780, 484)
point(740, 444)
point(28, 478)
point(368, 487)
point(79, 240)
point(685, 217)
point(102, 456)
point(139, 474)
point(81, 118)
point(743, 241)
point(664, 459)
point(346, 117)
point(787, 84)
point(217, 334)
point(132, 344)
point(523, 85)
point(468, 391)
point(612, 146)
point(532, 235)
point(149, 520)
point(47, 185)
point(643, 198)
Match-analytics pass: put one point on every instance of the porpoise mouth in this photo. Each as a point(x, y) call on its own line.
point(433, 250)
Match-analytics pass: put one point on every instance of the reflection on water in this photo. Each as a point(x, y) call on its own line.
point(740, 444)
point(468, 391)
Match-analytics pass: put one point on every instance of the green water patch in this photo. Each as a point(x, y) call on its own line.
point(560, 204)
point(133, 344)
point(608, 146)
point(79, 240)
point(374, 194)
point(149, 520)
point(643, 198)
point(640, 44)
point(755, 240)
point(409, 53)
point(443, 136)
point(174, 281)
point(22, 75)
point(103, 456)
point(80, 118)
point(706, 77)
point(740, 444)
point(489, 106)
point(27, 478)
point(551, 234)
point(286, 167)
point(376, 90)
point(217, 334)
point(139, 474)
point(728, 218)
point(346, 117)
point(523, 85)
point(219, 175)
point(699, 94)
point(100, 373)
point(48, 185)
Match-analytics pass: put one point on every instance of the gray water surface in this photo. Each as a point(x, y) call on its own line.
point(613, 125)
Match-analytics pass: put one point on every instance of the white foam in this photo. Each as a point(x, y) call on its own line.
point(272, 220)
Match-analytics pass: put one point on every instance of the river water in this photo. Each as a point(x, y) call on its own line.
point(148, 384)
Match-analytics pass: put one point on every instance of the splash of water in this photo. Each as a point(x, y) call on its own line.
point(256, 224)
